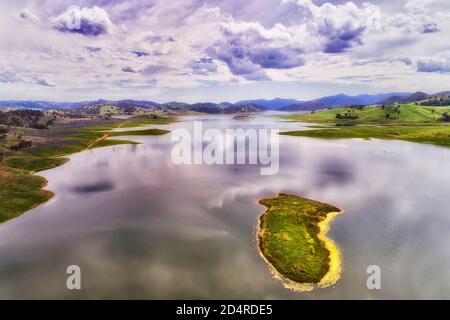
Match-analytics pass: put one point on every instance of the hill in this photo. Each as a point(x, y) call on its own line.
point(416, 96)
point(174, 105)
point(376, 114)
point(438, 99)
point(442, 94)
point(227, 104)
point(408, 122)
point(25, 118)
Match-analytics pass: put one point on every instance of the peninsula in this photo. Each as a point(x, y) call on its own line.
point(409, 122)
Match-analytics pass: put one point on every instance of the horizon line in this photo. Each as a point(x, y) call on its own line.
point(223, 101)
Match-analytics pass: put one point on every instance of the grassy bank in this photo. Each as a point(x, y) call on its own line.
point(145, 132)
point(21, 190)
point(290, 237)
point(438, 135)
point(402, 122)
point(142, 121)
point(396, 114)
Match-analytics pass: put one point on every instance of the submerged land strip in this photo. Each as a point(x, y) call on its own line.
point(409, 122)
point(26, 149)
point(292, 240)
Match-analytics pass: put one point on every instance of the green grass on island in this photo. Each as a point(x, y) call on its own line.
point(289, 237)
point(21, 190)
point(407, 122)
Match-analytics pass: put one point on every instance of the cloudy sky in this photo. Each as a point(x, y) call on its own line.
point(217, 50)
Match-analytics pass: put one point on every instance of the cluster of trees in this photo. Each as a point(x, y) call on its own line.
point(392, 113)
point(347, 116)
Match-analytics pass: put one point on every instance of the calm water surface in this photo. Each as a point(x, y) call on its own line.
point(141, 227)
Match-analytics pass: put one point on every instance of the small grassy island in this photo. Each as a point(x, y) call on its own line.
point(291, 239)
point(409, 122)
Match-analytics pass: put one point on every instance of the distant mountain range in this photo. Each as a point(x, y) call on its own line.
point(32, 104)
point(243, 106)
point(228, 108)
point(274, 104)
point(341, 100)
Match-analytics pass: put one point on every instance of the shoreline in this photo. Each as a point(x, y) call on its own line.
point(335, 265)
point(411, 123)
point(91, 145)
point(51, 193)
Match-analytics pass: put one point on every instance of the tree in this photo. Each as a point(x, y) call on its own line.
point(347, 116)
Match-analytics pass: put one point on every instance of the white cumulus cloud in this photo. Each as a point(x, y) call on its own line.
point(86, 21)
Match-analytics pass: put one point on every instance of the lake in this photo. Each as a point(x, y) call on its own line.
point(140, 226)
